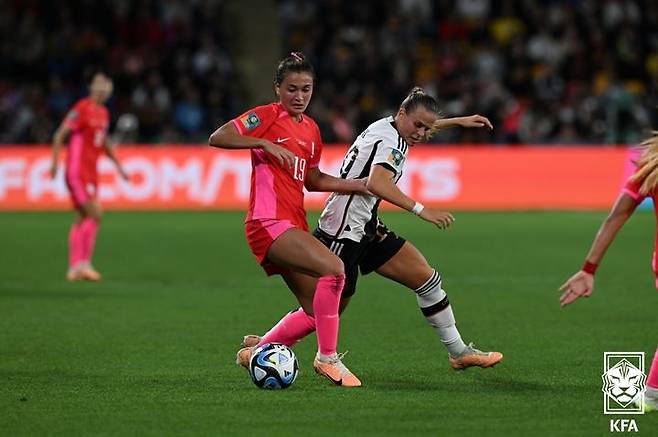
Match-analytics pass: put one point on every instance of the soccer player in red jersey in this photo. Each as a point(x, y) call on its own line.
point(285, 149)
point(87, 123)
point(643, 184)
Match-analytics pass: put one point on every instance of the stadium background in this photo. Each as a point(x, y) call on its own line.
point(569, 87)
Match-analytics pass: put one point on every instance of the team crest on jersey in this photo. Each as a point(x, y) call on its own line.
point(250, 121)
point(395, 157)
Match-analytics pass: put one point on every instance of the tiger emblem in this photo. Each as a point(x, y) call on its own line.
point(624, 382)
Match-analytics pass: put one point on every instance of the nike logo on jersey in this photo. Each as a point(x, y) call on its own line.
point(282, 140)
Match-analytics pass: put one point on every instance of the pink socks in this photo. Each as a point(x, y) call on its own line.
point(82, 238)
point(89, 229)
point(325, 308)
point(75, 245)
point(297, 324)
point(291, 328)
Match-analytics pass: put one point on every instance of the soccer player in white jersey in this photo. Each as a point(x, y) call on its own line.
point(349, 226)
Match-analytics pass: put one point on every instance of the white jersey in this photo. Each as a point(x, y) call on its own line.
point(353, 216)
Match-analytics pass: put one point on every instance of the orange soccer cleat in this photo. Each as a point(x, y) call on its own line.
point(250, 340)
point(335, 371)
point(472, 357)
point(74, 274)
point(243, 357)
point(88, 273)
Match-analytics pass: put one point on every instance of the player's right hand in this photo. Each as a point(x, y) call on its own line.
point(579, 285)
point(441, 219)
point(283, 155)
point(53, 170)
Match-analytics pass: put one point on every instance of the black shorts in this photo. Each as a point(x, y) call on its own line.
point(367, 255)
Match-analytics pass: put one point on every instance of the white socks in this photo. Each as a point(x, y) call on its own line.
point(434, 304)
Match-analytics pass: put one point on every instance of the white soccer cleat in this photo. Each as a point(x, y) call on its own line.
point(650, 401)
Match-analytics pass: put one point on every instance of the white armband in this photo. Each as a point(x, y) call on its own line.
point(418, 208)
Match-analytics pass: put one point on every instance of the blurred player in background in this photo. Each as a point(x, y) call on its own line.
point(350, 227)
point(87, 123)
point(285, 149)
point(641, 185)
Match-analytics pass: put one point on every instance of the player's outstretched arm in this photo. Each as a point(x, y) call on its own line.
point(228, 137)
point(469, 121)
point(318, 181)
point(58, 139)
point(581, 284)
point(380, 183)
point(110, 151)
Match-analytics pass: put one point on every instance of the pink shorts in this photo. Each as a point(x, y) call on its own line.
point(260, 236)
point(80, 191)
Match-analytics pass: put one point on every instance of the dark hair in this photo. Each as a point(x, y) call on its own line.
point(295, 62)
point(416, 98)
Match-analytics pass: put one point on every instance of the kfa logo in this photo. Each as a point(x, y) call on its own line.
point(624, 382)
point(623, 425)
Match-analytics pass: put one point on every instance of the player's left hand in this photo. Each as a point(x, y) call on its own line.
point(579, 285)
point(476, 121)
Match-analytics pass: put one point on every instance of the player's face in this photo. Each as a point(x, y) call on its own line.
point(413, 126)
point(295, 92)
point(101, 88)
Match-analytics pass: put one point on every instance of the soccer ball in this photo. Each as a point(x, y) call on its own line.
point(273, 366)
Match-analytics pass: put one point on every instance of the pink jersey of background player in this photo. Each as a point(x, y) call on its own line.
point(87, 124)
point(276, 191)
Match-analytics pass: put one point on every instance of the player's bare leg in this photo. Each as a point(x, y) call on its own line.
point(250, 340)
point(300, 252)
point(410, 268)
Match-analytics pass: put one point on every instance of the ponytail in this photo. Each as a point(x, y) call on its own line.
point(647, 166)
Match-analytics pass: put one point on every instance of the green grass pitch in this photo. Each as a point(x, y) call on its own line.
point(150, 350)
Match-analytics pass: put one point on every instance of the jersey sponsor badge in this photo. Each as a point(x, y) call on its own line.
point(250, 121)
point(395, 157)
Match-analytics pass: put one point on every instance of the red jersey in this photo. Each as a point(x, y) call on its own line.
point(88, 122)
point(633, 189)
point(277, 192)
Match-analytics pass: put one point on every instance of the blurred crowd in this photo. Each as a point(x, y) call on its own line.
point(544, 71)
point(572, 71)
point(170, 60)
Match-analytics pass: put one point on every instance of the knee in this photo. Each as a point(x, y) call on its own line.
point(334, 267)
point(96, 216)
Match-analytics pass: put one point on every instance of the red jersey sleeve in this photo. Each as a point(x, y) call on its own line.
point(632, 188)
point(316, 149)
point(255, 121)
point(75, 118)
